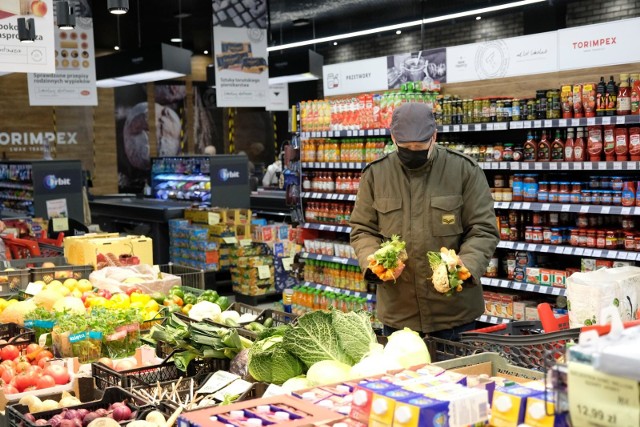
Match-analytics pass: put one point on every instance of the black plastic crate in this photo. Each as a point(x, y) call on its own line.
point(256, 391)
point(107, 377)
point(37, 262)
point(16, 335)
point(61, 273)
point(16, 413)
point(13, 281)
point(280, 318)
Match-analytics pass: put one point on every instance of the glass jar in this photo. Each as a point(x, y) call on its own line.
point(574, 238)
point(507, 153)
point(536, 235)
point(500, 111)
point(576, 192)
point(528, 234)
point(616, 198)
point(488, 154)
point(517, 187)
point(607, 197)
point(582, 238)
point(628, 223)
point(497, 194)
point(591, 238)
point(582, 221)
point(518, 153)
point(611, 240)
point(546, 235)
point(507, 195)
point(507, 110)
point(616, 183)
point(600, 239)
point(530, 188)
point(538, 219)
point(556, 236)
point(515, 109)
point(594, 182)
point(554, 192)
point(564, 195)
point(605, 183)
point(596, 197)
point(497, 152)
point(586, 197)
point(629, 241)
point(493, 105)
point(554, 219)
point(543, 191)
point(498, 181)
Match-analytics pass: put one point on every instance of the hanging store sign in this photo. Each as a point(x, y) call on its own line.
point(16, 56)
point(610, 43)
point(355, 77)
point(278, 97)
point(240, 53)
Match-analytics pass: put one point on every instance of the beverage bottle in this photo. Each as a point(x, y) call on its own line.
point(601, 95)
point(624, 96)
point(612, 95)
point(287, 300)
point(568, 146)
point(557, 147)
point(579, 148)
point(530, 149)
point(544, 148)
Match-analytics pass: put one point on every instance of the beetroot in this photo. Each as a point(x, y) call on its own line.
point(121, 413)
point(89, 417)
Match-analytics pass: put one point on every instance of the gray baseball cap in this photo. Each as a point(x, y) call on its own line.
point(412, 122)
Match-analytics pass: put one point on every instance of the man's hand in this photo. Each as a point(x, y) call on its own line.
point(384, 274)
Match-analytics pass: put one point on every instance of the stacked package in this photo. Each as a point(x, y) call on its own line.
point(189, 246)
point(252, 271)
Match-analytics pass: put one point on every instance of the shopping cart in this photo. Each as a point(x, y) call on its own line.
point(18, 248)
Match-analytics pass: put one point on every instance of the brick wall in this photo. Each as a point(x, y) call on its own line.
point(578, 12)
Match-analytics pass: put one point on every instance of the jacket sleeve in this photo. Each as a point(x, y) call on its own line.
point(481, 234)
point(365, 234)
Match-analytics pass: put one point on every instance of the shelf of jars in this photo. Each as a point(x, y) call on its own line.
point(347, 292)
point(563, 207)
point(326, 227)
point(571, 250)
point(329, 196)
point(539, 124)
point(493, 319)
point(345, 133)
point(16, 186)
point(334, 165)
point(329, 258)
point(561, 166)
point(522, 286)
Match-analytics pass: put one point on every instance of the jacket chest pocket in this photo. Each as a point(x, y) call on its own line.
point(389, 215)
point(446, 215)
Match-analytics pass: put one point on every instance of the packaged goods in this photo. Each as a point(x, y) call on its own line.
point(509, 405)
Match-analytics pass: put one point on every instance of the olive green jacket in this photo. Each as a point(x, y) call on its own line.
point(445, 203)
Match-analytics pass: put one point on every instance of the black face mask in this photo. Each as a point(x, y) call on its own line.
point(413, 159)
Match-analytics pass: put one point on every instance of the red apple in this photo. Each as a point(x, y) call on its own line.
point(38, 8)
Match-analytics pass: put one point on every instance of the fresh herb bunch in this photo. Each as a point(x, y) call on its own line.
point(391, 252)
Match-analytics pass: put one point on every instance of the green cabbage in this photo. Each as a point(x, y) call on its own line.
point(354, 332)
point(270, 362)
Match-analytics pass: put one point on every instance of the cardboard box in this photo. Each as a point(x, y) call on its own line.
point(531, 313)
point(587, 264)
point(559, 278)
point(603, 263)
point(546, 277)
point(509, 405)
point(84, 251)
point(533, 275)
point(519, 308)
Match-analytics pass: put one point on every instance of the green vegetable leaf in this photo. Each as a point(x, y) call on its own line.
point(314, 339)
point(270, 362)
point(354, 332)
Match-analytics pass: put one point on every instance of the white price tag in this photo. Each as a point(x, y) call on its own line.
point(538, 166)
point(324, 134)
point(445, 128)
point(514, 165)
point(545, 206)
point(584, 209)
point(517, 125)
point(553, 166)
point(588, 166)
point(245, 242)
point(605, 209)
point(591, 121)
point(548, 123)
point(500, 126)
point(323, 227)
point(578, 251)
point(335, 196)
point(620, 120)
point(236, 388)
point(613, 254)
point(617, 166)
point(531, 247)
point(577, 166)
point(494, 165)
point(494, 282)
point(230, 240)
point(565, 208)
point(349, 133)
point(562, 123)
point(464, 128)
point(601, 165)
point(520, 246)
point(597, 253)
point(60, 224)
point(531, 288)
point(544, 248)
point(575, 122)
point(556, 291)
point(477, 127)
point(625, 211)
point(525, 166)
point(264, 272)
point(376, 132)
point(456, 128)
point(33, 288)
point(509, 245)
point(564, 166)
point(588, 252)
point(526, 206)
point(517, 285)
point(527, 124)
point(606, 120)
point(504, 165)
point(331, 133)
point(537, 123)
point(567, 251)
point(217, 381)
point(361, 133)
point(213, 218)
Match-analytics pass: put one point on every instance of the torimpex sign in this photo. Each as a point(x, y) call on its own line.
point(35, 141)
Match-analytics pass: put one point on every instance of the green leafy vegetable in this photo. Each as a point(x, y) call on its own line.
point(270, 362)
point(391, 252)
point(354, 332)
point(315, 339)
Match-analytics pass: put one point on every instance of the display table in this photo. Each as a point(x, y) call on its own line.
point(147, 217)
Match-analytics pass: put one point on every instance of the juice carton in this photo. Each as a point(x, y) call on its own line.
point(509, 405)
point(384, 406)
point(421, 412)
point(533, 275)
point(538, 414)
point(467, 406)
point(531, 313)
point(363, 395)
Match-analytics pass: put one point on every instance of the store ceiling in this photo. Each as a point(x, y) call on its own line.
point(153, 21)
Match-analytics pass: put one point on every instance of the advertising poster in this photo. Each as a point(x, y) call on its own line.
point(610, 43)
point(16, 56)
point(207, 119)
point(240, 47)
point(278, 97)
point(517, 56)
point(427, 66)
point(74, 82)
point(170, 118)
point(355, 77)
point(132, 137)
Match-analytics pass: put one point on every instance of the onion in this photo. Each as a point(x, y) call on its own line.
point(82, 413)
point(121, 413)
point(89, 417)
point(41, 422)
point(115, 404)
point(101, 412)
point(70, 414)
point(56, 420)
point(30, 417)
point(67, 423)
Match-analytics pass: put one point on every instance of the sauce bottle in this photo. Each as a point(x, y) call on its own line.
point(594, 143)
point(530, 149)
point(544, 148)
point(557, 148)
point(601, 94)
point(579, 152)
point(623, 103)
point(634, 143)
point(612, 94)
point(622, 144)
point(568, 146)
point(635, 93)
point(609, 142)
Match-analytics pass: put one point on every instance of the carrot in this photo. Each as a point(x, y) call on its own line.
point(387, 275)
point(378, 269)
point(464, 273)
point(459, 288)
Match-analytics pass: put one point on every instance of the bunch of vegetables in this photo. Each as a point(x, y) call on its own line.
point(70, 417)
point(181, 299)
point(120, 330)
point(198, 340)
point(41, 321)
point(448, 271)
point(72, 338)
point(29, 371)
point(388, 262)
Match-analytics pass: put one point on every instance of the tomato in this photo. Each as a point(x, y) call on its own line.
point(45, 381)
point(173, 300)
point(59, 373)
point(42, 362)
point(22, 367)
point(33, 350)
point(9, 352)
point(30, 388)
point(8, 363)
point(35, 368)
point(23, 380)
point(8, 374)
point(44, 353)
point(9, 389)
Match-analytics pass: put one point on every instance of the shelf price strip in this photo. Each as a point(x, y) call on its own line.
point(570, 250)
point(493, 319)
point(327, 227)
point(522, 286)
point(329, 258)
point(321, 287)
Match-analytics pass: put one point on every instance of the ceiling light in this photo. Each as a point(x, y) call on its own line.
point(26, 30)
point(478, 18)
point(116, 48)
point(118, 7)
point(206, 52)
point(176, 39)
point(295, 67)
point(65, 17)
point(398, 32)
point(302, 22)
point(415, 23)
point(335, 43)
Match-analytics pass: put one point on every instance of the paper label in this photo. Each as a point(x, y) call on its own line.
point(274, 390)
point(618, 402)
point(287, 263)
point(230, 240)
point(236, 388)
point(217, 381)
point(245, 242)
point(60, 224)
point(213, 218)
point(33, 288)
point(264, 272)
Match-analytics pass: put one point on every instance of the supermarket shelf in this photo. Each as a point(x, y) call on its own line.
point(334, 165)
point(182, 178)
point(329, 258)
point(570, 250)
point(560, 166)
point(345, 133)
point(493, 319)
point(16, 186)
point(327, 227)
point(565, 207)
point(329, 196)
point(21, 199)
point(368, 296)
point(536, 124)
point(521, 286)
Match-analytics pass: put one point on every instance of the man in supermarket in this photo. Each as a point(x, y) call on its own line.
point(433, 198)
